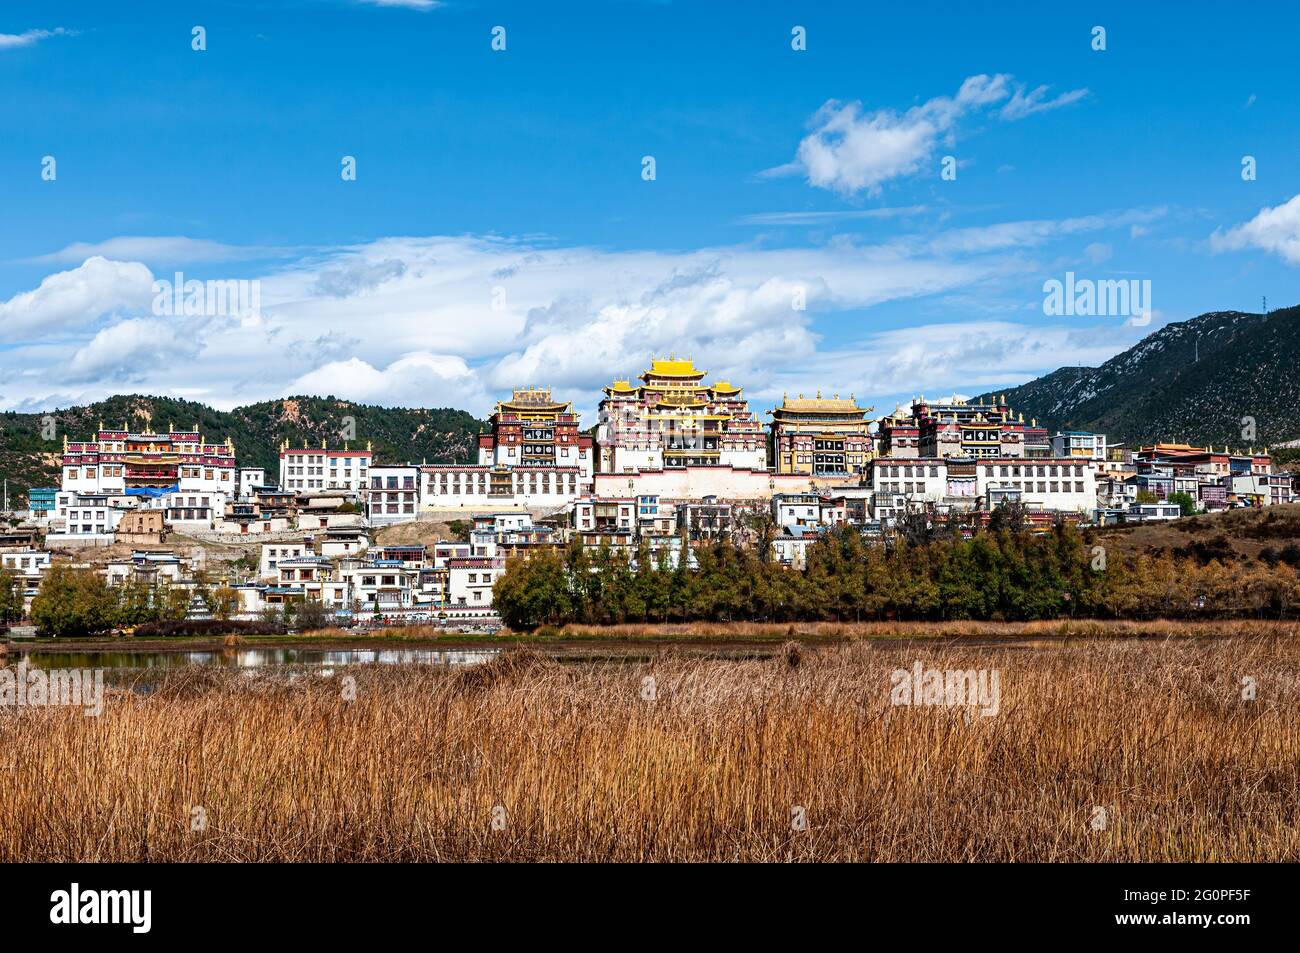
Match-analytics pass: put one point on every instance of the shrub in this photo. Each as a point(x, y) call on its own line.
point(212, 627)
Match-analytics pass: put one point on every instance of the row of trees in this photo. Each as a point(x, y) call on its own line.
point(930, 572)
point(76, 602)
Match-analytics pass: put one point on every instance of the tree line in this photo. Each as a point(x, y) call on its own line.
point(76, 602)
point(929, 571)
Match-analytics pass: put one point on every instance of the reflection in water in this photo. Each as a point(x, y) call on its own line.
point(253, 658)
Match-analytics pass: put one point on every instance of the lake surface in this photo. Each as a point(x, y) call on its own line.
point(251, 658)
point(325, 660)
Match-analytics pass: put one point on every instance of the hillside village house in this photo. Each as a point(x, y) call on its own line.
point(393, 495)
point(28, 566)
point(308, 468)
point(249, 479)
point(142, 526)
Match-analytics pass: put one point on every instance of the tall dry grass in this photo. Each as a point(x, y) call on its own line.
point(586, 768)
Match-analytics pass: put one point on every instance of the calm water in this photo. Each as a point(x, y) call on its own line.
point(324, 661)
point(252, 658)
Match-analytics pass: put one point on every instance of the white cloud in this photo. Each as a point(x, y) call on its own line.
point(172, 249)
point(1022, 104)
point(940, 357)
point(129, 350)
point(420, 379)
point(1098, 252)
point(355, 276)
point(850, 150)
point(1274, 229)
point(9, 41)
point(70, 299)
point(1034, 232)
point(408, 4)
point(827, 217)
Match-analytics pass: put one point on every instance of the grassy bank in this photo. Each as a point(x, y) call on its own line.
point(848, 631)
point(691, 633)
point(687, 634)
point(578, 764)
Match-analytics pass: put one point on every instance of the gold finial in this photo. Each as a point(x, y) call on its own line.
point(367, 446)
point(322, 444)
point(819, 393)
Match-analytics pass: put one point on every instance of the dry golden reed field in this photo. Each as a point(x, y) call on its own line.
point(799, 756)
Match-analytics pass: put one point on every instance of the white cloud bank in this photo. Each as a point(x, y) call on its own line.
point(457, 321)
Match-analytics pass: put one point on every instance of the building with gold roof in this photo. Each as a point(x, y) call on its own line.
point(820, 436)
point(673, 419)
point(533, 430)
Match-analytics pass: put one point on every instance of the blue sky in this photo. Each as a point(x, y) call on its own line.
point(499, 230)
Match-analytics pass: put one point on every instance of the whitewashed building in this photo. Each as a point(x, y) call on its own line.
point(305, 469)
point(250, 478)
point(393, 494)
point(461, 487)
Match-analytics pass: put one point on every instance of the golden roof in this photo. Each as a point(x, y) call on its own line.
point(531, 395)
point(725, 387)
point(673, 367)
point(822, 404)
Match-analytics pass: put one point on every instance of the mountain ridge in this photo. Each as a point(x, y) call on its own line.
point(1200, 381)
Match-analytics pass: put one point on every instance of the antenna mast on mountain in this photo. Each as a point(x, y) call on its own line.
point(1265, 305)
